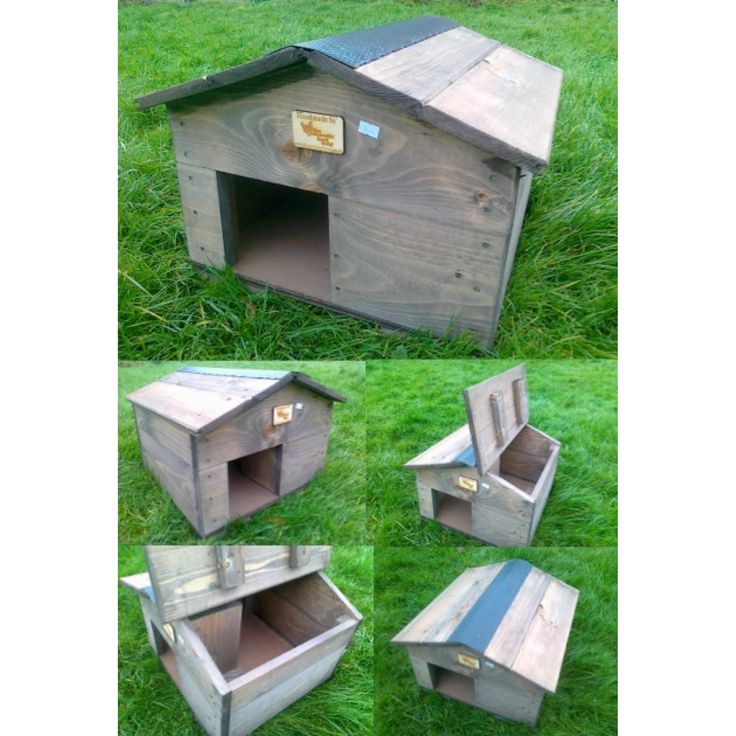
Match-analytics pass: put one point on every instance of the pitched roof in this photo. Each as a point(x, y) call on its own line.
point(201, 399)
point(511, 614)
point(471, 86)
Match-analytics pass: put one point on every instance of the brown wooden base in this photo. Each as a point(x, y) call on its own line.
point(247, 496)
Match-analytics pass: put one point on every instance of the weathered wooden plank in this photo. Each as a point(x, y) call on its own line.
point(506, 103)
point(502, 694)
point(202, 85)
point(411, 167)
point(266, 690)
point(508, 638)
point(492, 415)
point(199, 679)
point(540, 657)
point(444, 452)
point(219, 631)
point(212, 484)
point(422, 672)
point(398, 267)
point(502, 514)
point(241, 386)
point(185, 578)
point(495, 690)
point(318, 597)
point(191, 408)
point(424, 69)
point(542, 489)
point(165, 450)
point(522, 199)
point(447, 606)
point(286, 616)
point(254, 431)
point(209, 215)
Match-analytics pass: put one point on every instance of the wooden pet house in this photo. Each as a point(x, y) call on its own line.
point(225, 443)
point(243, 631)
point(490, 478)
point(383, 173)
point(494, 639)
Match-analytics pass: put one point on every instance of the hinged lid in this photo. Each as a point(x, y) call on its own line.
point(498, 409)
point(190, 579)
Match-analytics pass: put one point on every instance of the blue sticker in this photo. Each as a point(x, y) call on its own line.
point(369, 129)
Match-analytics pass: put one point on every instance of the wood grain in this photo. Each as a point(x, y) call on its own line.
point(399, 268)
point(507, 102)
point(219, 631)
point(412, 167)
point(185, 578)
point(207, 205)
point(540, 657)
point(424, 69)
point(489, 440)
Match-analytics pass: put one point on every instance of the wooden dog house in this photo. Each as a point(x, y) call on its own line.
point(383, 173)
point(243, 631)
point(494, 639)
point(491, 478)
point(225, 443)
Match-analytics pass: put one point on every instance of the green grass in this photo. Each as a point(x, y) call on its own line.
point(562, 296)
point(149, 702)
point(413, 403)
point(585, 701)
point(331, 509)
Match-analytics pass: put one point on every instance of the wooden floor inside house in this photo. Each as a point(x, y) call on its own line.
point(246, 495)
point(287, 245)
point(454, 512)
point(259, 643)
point(455, 686)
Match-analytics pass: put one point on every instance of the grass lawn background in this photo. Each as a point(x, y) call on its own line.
point(561, 300)
point(331, 509)
point(149, 702)
point(412, 404)
point(585, 701)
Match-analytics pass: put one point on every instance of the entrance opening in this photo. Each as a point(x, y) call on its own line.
point(254, 481)
point(453, 512)
point(283, 237)
point(452, 684)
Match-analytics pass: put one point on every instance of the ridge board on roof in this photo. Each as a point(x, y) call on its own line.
point(234, 372)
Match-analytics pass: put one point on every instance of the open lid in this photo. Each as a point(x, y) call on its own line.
point(498, 409)
point(187, 580)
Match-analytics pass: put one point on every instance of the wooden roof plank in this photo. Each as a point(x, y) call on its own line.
point(444, 453)
point(430, 624)
point(508, 101)
point(423, 70)
point(199, 400)
point(210, 82)
point(507, 641)
point(540, 656)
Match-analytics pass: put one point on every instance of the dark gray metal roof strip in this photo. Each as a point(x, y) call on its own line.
point(359, 47)
point(478, 626)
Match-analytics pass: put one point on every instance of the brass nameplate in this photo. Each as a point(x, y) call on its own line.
point(466, 661)
point(283, 414)
point(467, 484)
point(317, 131)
